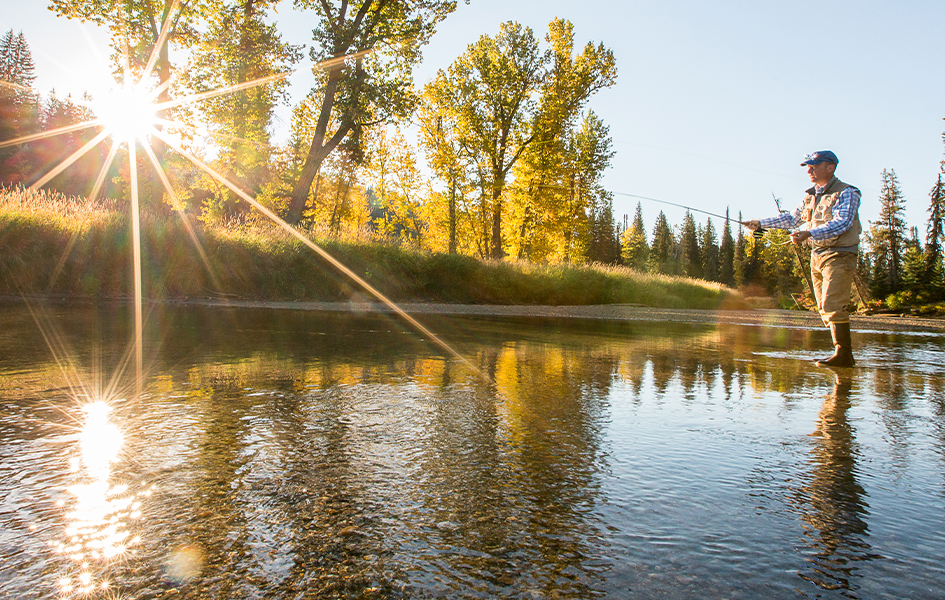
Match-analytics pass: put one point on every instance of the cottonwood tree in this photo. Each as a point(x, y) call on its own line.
point(135, 27)
point(364, 52)
point(239, 47)
point(446, 156)
point(489, 90)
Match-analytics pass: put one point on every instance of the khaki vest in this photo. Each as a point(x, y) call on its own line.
point(818, 212)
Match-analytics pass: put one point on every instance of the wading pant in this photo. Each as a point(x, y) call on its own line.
point(832, 275)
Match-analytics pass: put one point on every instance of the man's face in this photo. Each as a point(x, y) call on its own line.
point(821, 173)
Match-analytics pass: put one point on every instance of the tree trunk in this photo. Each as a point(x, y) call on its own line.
point(452, 243)
point(316, 153)
point(497, 252)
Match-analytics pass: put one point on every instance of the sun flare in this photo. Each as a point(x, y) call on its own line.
point(129, 112)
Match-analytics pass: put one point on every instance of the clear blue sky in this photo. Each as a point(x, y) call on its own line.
point(716, 102)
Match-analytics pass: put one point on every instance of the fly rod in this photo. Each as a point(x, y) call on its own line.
point(757, 233)
point(800, 260)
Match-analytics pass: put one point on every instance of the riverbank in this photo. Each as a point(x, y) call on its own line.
point(56, 246)
point(767, 317)
point(609, 312)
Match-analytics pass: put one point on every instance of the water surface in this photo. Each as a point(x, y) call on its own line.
point(286, 454)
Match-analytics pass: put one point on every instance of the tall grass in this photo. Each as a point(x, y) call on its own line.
point(54, 245)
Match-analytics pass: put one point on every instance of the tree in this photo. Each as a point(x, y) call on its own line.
point(240, 47)
point(19, 106)
point(556, 164)
point(727, 254)
point(364, 53)
point(47, 153)
point(634, 248)
point(690, 255)
point(710, 253)
point(136, 28)
point(740, 260)
point(887, 237)
point(662, 250)
point(934, 238)
point(489, 88)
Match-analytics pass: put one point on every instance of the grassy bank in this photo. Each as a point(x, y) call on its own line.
point(57, 246)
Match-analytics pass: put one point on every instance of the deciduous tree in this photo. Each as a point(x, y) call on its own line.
point(363, 54)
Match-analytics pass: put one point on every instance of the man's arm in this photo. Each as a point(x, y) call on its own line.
point(782, 221)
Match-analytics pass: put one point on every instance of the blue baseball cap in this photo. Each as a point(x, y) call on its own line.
point(815, 158)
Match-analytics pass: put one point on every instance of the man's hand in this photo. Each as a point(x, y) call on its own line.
point(799, 237)
point(754, 224)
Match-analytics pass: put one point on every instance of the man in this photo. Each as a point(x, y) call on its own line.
point(832, 229)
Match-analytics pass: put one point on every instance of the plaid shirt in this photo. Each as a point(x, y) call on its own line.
point(843, 212)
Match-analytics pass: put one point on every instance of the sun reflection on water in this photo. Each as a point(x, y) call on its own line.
point(100, 511)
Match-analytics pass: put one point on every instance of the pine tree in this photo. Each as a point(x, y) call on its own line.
point(727, 254)
point(634, 249)
point(935, 236)
point(913, 264)
point(740, 260)
point(19, 106)
point(710, 253)
point(888, 237)
point(690, 254)
point(663, 247)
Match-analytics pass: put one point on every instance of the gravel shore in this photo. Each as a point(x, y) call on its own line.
point(767, 317)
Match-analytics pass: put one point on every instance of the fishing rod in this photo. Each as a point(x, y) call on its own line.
point(757, 232)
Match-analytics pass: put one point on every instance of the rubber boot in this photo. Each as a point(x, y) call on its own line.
point(843, 353)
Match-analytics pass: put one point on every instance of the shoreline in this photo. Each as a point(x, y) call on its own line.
point(602, 312)
point(768, 317)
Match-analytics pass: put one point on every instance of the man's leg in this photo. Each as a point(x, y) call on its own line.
point(836, 270)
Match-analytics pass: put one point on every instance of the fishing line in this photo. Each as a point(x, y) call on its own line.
point(758, 233)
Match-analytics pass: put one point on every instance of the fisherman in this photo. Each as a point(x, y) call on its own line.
point(832, 228)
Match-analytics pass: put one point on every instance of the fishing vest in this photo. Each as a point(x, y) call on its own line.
point(818, 210)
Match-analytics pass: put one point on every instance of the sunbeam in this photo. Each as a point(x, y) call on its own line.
point(130, 114)
point(321, 252)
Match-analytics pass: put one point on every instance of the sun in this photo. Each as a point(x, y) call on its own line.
point(128, 112)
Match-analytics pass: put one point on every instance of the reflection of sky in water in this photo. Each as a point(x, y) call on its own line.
point(100, 510)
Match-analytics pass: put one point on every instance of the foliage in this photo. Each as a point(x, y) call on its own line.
point(363, 52)
point(240, 47)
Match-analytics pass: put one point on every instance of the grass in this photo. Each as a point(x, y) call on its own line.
point(58, 246)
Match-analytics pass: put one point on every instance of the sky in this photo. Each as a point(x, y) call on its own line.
point(716, 102)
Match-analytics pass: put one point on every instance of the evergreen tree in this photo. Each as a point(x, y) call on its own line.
point(727, 254)
point(690, 254)
point(710, 253)
point(603, 246)
point(662, 249)
point(740, 262)
point(913, 264)
point(888, 237)
point(935, 235)
point(19, 106)
point(634, 249)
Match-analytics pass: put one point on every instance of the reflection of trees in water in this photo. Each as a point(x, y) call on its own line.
point(374, 467)
point(835, 505)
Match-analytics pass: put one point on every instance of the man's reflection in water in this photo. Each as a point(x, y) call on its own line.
point(836, 529)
